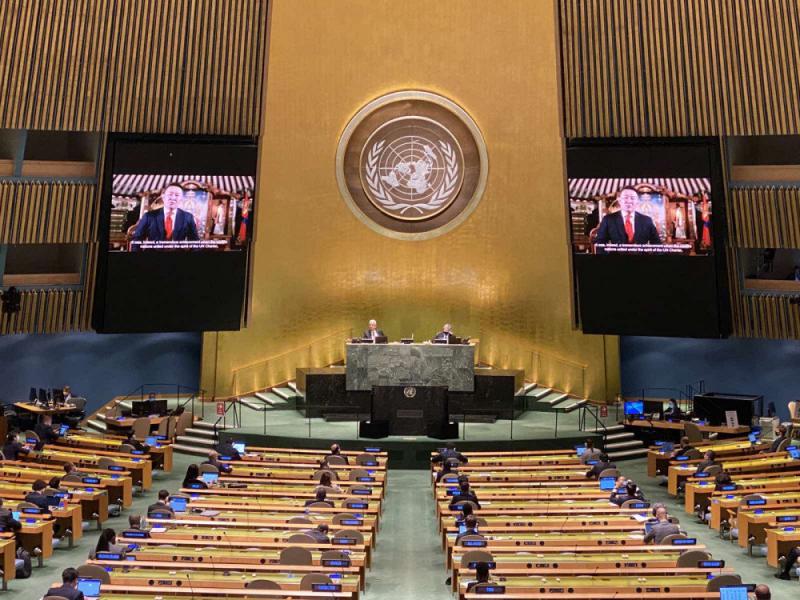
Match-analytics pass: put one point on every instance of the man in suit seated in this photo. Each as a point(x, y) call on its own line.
point(709, 460)
point(470, 528)
point(372, 331)
point(44, 429)
point(603, 463)
point(213, 460)
point(661, 528)
point(445, 335)
point(319, 533)
point(37, 496)
point(627, 226)
point(161, 505)
point(481, 576)
point(168, 223)
point(69, 586)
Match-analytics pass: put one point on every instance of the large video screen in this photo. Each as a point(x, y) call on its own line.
point(646, 215)
point(178, 220)
point(647, 234)
point(180, 212)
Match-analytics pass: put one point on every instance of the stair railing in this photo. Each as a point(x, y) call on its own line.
point(233, 407)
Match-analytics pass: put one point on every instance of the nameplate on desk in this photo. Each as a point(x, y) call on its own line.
point(365, 479)
point(787, 519)
point(92, 480)
point(372, 449)
point(354, 522)
point(31, 511)
point(326, 587)
point(335, 562)
point(362, 492)
point(711, 564)
point(108, 556)
point(357, 505)
point(682, 458)
point(369, 463)
point(728, 488)
point(757, 502)
point(343, 541)
point(684, 542)
point(639, 505)
point(115, 468)
point(135, 533)
point(137, 451)
point(474, 543)
point(489, 564)
point(494, 589)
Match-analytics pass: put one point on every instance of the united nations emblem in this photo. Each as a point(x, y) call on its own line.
point(412, 165)
point(409, 392)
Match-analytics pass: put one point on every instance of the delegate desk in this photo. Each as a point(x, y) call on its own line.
point(677, 429)
point(780, 541)
point(167, 592)
point(725, 507)
point(658, 461)
point(160, 455)
point(40, 411)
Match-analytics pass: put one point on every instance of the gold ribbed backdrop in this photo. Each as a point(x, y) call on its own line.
point(150, 66)
point(319, 273)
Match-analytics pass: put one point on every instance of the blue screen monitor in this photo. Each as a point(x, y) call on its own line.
point(178, 504)
point(635, 407)
point(90, 587)
point(580, 450)
point(62, 431)
point(210, 478)
point(753, 437)
point(151, 440)
point(239, 447)
point(795, 454)
point(608, 483)
point(733, 592)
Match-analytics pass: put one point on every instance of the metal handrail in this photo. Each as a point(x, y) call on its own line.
point(141, 390)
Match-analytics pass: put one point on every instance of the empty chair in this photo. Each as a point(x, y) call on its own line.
point(320, 504)
point(94, 572)
point(31, 435)
point(782, 446)
point(634, 502)
point(104, 462)
point(301, 538)
point(609, 473)
point(126, 448)
point(482, 522)
point(207, 468)
point(722, 580)
point(301, 520)
point(335, 459)
point(693, 432)
point(360, 490)
point(349, 534)
point(339, 517)
point(141, 428)
point(475, 556)
point(356, 473)
point(365, 459)
point(691, 558)
point(295, 556)
point(312, 579)
point(71, 478)
point(263, 584)
point(713, 470)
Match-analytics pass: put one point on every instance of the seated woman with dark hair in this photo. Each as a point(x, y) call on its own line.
point(192, 478)
point(326, 483)
point(107, 542)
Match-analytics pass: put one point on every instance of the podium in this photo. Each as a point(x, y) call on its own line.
point(411, 410)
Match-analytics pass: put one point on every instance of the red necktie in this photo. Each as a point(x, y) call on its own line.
point(629, 228)
point(168, 226)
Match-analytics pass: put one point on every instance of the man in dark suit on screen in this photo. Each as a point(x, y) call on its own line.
point(169, 223)
point(627, 226)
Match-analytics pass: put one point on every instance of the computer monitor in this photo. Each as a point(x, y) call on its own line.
point(90, 587)
point(634, 407)
point(178, 504)
point(667, 447)
point(239, 447)
point(580, 450)
point(753, 437)
point(608, 483)
point(733, 592)
point(151, 440)
point(63, 429)
point(210, 478)
point(795, 454)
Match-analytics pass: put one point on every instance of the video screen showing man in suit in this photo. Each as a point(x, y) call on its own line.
point(641, 216)
point(197, 212)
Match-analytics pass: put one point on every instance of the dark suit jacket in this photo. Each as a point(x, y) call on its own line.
point(151, 227)
point(65, 591)
point(159, 507)
point(612, 229)
point(445, 335)
point(449, 453)
point(594, 472)
point(378, 333)
point(39, 499)
point(459, 497)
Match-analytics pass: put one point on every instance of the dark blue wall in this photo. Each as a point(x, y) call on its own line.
point(744, 366)
point(98, 367)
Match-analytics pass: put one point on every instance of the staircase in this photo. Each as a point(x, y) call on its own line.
point(544, 399)
point(198, 439)
point(278, 397)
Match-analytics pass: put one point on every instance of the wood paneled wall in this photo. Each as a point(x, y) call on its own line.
point(158, 66)
point(47, 213)
point(680, 67)
point(765, 217)
point(143, 66)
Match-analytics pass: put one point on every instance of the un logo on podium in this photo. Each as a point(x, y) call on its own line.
point(412, 165)
point(409, 392)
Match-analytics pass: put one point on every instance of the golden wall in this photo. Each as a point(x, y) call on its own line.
point(318, 273)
